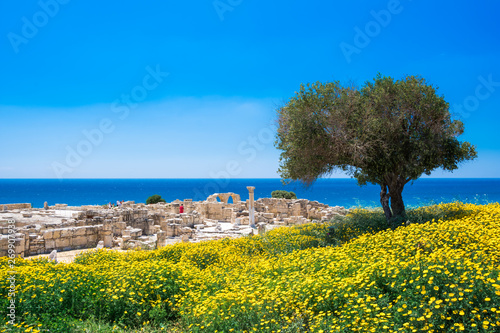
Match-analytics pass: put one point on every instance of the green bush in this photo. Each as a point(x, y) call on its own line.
point(358, 222)
point(155, 198)
point(280, 194)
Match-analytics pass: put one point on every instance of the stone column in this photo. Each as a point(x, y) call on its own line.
point(188, 206)
point(148, 230)
point(107, 233)
point(251, 207)
point(107, 236)
point(161, 239)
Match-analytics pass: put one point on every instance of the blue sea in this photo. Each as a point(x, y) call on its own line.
point(341, 192)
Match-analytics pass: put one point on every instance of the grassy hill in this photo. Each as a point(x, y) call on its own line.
point(438, 274)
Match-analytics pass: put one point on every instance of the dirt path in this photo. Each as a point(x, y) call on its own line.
point(65, 256)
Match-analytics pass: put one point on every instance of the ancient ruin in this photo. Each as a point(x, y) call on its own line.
point(62, 228)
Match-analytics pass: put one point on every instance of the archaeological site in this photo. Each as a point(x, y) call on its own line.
point(63, 228)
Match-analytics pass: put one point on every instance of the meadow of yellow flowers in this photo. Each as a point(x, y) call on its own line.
point(437, 276)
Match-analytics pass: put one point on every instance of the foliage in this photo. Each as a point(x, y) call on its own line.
point(387, 133)
point(440, 275)
point(155, 198)
point(281, 194)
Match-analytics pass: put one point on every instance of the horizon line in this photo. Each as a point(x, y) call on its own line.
point(182, 178)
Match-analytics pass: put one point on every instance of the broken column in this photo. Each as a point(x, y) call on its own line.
point(108, 238)
point(188, 206)
point(107, 233)
point(251, 207)
point(262, 228)
point(161, 239)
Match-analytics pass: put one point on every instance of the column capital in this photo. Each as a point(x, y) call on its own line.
point(250, 189)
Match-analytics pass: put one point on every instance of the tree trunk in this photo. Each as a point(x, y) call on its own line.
point(397, 204)
point(384, 201)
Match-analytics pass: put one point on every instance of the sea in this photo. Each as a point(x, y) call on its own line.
point(331, 191)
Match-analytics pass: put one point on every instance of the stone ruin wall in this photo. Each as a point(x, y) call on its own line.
point(16, 206)
point(61, 228)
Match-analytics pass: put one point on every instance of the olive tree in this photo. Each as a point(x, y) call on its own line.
point(387, 132)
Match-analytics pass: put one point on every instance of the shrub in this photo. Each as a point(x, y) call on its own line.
point(358, 222)
point(155, 198)
point(280, 194)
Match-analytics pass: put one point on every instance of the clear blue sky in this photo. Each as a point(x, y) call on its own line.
point(188, 89)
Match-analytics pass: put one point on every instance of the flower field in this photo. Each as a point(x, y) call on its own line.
point(435, 276)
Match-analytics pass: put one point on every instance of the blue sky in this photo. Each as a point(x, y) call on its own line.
point(188, 89)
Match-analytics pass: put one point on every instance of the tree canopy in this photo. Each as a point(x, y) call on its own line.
point(155, 198)
point(281, 194)
point(388, 132)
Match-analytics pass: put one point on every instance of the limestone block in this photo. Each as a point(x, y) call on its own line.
point(186, 230)
point(48, 234)
point(132, 233)
point(188, 220)
point(53, 256)
point(16, 206)
point(161, 238)
point(92, 239)
point(262, 228)
point(50, 244)
point(92, 230)
point(81, 231)
point(148, 230)
point(108, 239)
point(164, 225)
point(173, 230)
point(65, 233)
point(56, 233)
point(62, 243)
point(227, 214)
point(136, 233)
point(80, 241)
point(108, 225)
point(120, 225)
point(4, 242)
